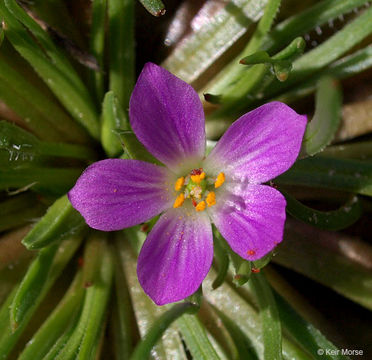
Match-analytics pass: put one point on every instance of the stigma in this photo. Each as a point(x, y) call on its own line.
point(197, 187)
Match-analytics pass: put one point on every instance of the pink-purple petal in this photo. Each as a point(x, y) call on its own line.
point(176, 256)
point(260, 145)
point(114, 194)
point(251, 219)
point(167, 117)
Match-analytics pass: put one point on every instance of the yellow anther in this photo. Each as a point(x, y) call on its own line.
point(179, 183)
point(201, 206)
point(211, 199)
point(198, 178)
point(220, 180)
point(179, 201)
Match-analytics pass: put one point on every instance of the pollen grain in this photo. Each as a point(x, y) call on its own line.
point(220, 180)
point(179, 200)
point(211, 199)
point(179, 183)
point(201, 206)
point(198, 178)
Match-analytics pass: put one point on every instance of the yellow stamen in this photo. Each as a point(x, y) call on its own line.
point(220, 180)
point(179, 201)
point(211, 199)
point(179, 183)
point(198, 178)
point(200, 206)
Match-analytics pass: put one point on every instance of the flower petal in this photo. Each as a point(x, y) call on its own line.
point(167, 117)
point(260, 145)
point(114, 194)
point(176, 256)
point(251, 219)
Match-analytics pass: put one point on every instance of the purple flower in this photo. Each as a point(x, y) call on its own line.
point(192, 191)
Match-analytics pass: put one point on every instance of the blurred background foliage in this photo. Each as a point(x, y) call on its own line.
point(67, 69)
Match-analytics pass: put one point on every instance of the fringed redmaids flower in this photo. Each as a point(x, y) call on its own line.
point(191, 191)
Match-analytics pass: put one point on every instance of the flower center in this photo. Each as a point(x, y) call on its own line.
point(197, 187)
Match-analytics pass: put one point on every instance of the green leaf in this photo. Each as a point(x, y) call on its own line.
point(8, 338)
point(134, 148)
point(271, 327)
point(317, 15)
point(56, 323)
point(144, 347)
point(197, 52)
point(22, 146)
point(32, 285)
point(322, 128)
point(343, 68)
point(82, 343)
point(328, 259)
point(310, 338)
point(330, 50)
point(341, 174)
point(222, 259)
point(122, 317)
point(15, 90)
point(334, 220)
point(51, 181)
point(113, 118)
point(50, 64)
point(154, 7)
point(97, 45)
point(60, 221)
point(121, 49)
point(196, 338)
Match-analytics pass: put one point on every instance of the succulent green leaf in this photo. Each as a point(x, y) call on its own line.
point(309, 337)
point(323, 126)
point(271, 327)
point(113, 118)
point(335, 220)
point(121, 48)
point(331, 173)
point(60, 221)
point(58, 74)
point(134, 148)
point(196, 338)
point(154, 7)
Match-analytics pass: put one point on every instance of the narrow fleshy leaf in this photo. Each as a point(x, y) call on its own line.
point(331, 173)
point(198, 51)
point(8, 338)
point(56, 323)
point(196, 339)
point(315, 16)
point(329, 259)
point(97, 45)
point(144, 347)
point(271, 327)
point(83, 341)
point(334, 220)
point(50, 181)
point(322, 128)
point(57, 74)
point(134, 148)
point(60, 221)
point(113, 119)
point(121, 48)
point(222, 260)
point(32, 285)
point(154, 7)
point(310, 338)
